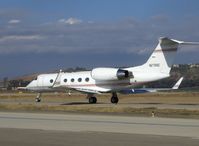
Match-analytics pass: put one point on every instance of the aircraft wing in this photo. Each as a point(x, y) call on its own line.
point(138, 91)
point(150, 90)
point(21, 88)
point(87, 91)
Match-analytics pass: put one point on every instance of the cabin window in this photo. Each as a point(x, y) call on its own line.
point(72, 80)
point(65, 80)
point(87, 79)
point(51, 81)
point(80, 79)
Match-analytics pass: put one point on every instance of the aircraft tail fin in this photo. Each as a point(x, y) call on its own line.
point(176, 86)
point(163, 56)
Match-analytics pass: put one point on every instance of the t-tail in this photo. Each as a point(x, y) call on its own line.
point(164, 54)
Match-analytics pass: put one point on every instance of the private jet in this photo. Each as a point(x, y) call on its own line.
point(112, 80)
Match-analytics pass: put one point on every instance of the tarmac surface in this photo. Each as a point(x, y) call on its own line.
point(24, 137)
point(85, 129)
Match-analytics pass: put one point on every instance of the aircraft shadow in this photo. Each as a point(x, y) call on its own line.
point(156, 103)
point(80, 103)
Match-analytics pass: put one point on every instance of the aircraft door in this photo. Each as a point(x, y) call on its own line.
point(40, 81)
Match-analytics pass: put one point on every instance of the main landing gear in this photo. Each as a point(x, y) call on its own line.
point(92, 99)
point(114, 98)
point(38, 98)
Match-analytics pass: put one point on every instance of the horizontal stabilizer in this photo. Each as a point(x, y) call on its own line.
point(165, 40)
point(185, 43)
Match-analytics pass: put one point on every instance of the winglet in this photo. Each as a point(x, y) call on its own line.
point(176, 86)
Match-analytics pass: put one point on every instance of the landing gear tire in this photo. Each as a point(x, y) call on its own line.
point(37, 100)
point(114, 100)
point(92, 100)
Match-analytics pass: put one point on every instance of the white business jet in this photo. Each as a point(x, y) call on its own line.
point(112, 80)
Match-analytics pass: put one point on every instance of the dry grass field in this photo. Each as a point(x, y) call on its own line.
point(134, 104)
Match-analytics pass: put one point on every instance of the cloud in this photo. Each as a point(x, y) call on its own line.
point(20, 38)
point(128, 35)
point(70, 21)
point(14, 21)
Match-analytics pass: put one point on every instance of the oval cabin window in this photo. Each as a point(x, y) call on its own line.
point(87, 79)
point(80, 79)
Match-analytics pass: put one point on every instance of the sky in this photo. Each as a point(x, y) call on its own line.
point(39, 36)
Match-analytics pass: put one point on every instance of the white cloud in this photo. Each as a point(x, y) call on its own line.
point(123, 36)
point(70, 21)
point(20, 37)
point(62, 20)
point(14, 21)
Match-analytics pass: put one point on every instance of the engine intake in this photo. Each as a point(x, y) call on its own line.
point(121, 74)
point(110, 74)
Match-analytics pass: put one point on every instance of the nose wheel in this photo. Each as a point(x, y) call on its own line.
point(114, 98)
point(38, 98)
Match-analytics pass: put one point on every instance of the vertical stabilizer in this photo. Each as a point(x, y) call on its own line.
point(163, 56)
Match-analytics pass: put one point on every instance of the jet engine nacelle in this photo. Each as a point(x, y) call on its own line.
point(110, 74)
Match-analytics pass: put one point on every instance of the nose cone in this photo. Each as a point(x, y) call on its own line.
point(31, 86)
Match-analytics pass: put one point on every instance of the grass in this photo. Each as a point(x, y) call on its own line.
point(181, 113)
point(78, 103)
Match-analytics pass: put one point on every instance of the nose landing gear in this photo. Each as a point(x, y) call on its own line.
point(38, 98)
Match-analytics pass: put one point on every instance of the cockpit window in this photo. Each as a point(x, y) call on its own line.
point(51, 81)
point(35, 78)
